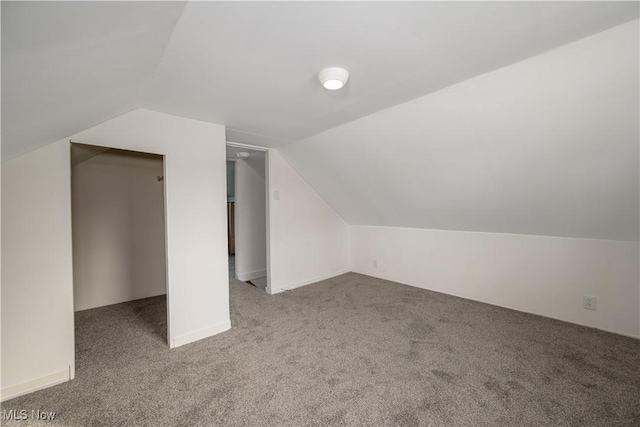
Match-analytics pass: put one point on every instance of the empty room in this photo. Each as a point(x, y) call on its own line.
point(320, 213)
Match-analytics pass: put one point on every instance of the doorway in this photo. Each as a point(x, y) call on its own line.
point(247, 183)
point(118, 235)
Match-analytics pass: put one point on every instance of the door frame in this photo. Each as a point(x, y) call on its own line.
point(166, 231)
point(265, 150)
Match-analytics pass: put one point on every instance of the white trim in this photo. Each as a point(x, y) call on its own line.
point(250, 275)
point(498, 305)
point(252, 147)
point(273, 291)
point(167, 276)
point(201, 333)
point(36, 384)
point(267, 213)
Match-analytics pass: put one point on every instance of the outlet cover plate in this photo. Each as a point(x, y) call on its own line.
point(589, 302)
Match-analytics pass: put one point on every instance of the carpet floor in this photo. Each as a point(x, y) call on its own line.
point(352, 350)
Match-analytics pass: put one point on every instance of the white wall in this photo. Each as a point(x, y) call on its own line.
point(250, 219)
point(196, 216)
point(118, 229)
point(308, 240)
point(37, 293)
point(542, 275)
point(37, 273)
point(547, 146)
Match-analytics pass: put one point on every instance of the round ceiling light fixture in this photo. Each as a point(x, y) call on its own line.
point(333, 78)
point(243, 155)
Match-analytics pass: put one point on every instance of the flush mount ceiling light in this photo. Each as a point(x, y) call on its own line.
point(243, 155)
point(333, 78)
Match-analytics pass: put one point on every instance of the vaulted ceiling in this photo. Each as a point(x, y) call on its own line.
point(547, 146)
point(252, 66)
point(67, 66)
point(512, 117)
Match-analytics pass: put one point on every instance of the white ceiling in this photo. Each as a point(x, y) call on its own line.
point(67, 66)
point(548, 146)
point(256, 158)
point(252, 66)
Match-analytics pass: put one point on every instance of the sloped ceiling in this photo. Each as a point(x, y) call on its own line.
point(529, 126)
point(548, 146)
point(252, 66)
point(67, 66)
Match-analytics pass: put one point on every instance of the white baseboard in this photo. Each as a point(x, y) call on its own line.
point(305, 282)
point(35, 385)
point(250, 275)
point(201, 333)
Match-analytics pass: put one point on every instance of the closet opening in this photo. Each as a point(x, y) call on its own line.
point(119, 251)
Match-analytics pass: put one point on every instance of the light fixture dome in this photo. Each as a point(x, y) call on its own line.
point(243, 155)
point(333, 78)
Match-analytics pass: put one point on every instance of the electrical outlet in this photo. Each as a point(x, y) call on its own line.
point(375, 263)
point(589, 302)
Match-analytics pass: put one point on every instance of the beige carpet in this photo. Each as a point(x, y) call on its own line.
point(353, 351)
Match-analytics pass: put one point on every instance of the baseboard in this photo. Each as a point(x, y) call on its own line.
point(305, 282)
point(624, 334)
point(201, 333)
point(35, 385)
point(250, 275)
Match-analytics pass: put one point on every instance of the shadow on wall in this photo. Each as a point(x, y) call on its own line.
point(118, 225)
